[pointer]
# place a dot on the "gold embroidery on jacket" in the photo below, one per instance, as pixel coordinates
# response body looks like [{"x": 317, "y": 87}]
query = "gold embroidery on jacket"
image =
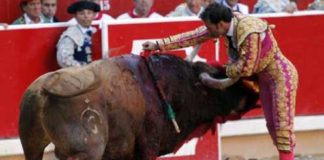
[
  {"x": 186, "y": 39},
  {"x": 247, "y": 25}
]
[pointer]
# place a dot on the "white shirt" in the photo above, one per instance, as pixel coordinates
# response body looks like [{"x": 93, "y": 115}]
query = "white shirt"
[
  {"x": 230, "y": 33},
  {"x": 104, "y": 17},
  {"x": 107, "y": 17},
  {"x": 271, "y": 6},
  {"x": 127, "y": 16},
  {"x": 183, "y": 10},
  {"x": 30, "y": 21},
  {"x": 84, "y": 29},
  {"x": 47, "y": 20},
  {"x": 239, "y": 7}
]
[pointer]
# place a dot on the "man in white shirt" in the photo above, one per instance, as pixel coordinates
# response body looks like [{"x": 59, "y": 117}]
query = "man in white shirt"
[
  {"x": 189, "y": 8},
  {"x": 74, "y": 46},
  {"x": 142, "y": 9},
  {"x": 235, "y": 6}
]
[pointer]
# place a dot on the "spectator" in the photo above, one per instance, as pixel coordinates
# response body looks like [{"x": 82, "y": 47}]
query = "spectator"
[
  {"x": 189, "y": 8},
  {"x": 99, "y": 16},
  {"x": 235, "y": 6},
  {"x": 49, "y": 10},
  {"x": 207, "y": 2},
  {"x": 275, "y": 6},
  {"x": 31, "y": 12},
  {"x": 4, "y": 25},
  {"x": 74, "y": 46},
  {"x": 142, "y": 9},
  {"x": 316, "y": 5}
]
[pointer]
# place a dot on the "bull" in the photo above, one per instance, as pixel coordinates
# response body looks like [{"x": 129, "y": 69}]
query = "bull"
[{"x": 114, "y": 109}]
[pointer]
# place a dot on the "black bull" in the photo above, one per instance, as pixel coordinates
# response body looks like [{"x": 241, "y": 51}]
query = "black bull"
[{"x": 115, "y": 109}]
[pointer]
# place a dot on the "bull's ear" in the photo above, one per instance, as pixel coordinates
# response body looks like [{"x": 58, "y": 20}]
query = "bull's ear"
[{"x": 70, "y": 82}]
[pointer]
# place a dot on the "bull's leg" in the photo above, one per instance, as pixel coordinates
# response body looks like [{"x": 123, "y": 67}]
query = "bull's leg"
[
  {"x": 32, "y": 135},
  {"x": 147, "y": 142},
  {"x": 59, "y": 155},
  {"x": 120, "y": 150},
  {"x": 145, "y": 150},
  {"x": 121, "y": 145},
  {"x": 33, "y": 147},
  {"x": 77, "y": 156}
]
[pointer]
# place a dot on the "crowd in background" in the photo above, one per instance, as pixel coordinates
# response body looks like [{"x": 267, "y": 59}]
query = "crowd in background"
[{"x": 43, "y": 11}]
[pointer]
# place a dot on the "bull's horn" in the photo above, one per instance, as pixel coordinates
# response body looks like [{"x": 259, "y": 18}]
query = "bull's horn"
[{"x": 66, "y": 83}]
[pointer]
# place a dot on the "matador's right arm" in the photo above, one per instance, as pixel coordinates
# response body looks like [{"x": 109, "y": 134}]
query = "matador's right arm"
[{"x": 185, "y": 39}]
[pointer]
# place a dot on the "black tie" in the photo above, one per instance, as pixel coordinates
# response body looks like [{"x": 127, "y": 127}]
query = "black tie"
[
  {"x": 89, "y": 32},
  {"x": 230, "y": 42},
  {"x": 231, "y": 49}
]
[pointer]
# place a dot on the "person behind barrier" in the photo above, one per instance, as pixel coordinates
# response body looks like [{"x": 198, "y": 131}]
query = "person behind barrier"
[
  {"x": 275, "y": 6},
  {"x": 49, "y": 8},
  {"x": 31, "y": 12},
  {"x": 252, "y": 51},
  {"x": 4, "y": 25},
  {"x": 74, "y": 45},
  {"x": 99, "y": 15},
  {"x": 207, "y": 2},
  {"x": 142, "y": 9},
  {"x": 189, "y": 8},
  {"x": 316, "y": 5},
  {"x": 235, "y": 6}
]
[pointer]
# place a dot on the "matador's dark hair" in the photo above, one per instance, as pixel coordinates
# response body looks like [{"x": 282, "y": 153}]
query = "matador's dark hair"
[{"x": 216, "y": 12}]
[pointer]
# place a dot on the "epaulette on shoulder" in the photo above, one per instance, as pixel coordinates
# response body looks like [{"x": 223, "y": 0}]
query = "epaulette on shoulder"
[{"x": 248, "y": 25}]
